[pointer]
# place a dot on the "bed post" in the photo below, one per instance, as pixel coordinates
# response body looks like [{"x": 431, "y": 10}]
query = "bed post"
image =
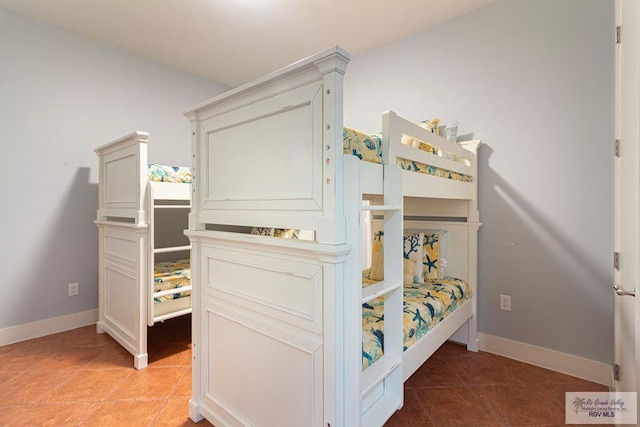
[
  {"x": 332, "y": 68},
  {"x": 195, "y": 402},
  {"x": 196, "y": 152},
  {"x": 473, "y": 340},
  {"x": 352, "y": 401},
  {"x": 473, "y": 146},
  {"x": 473, "y": 220},
  {"x": 333, "y": 230}
]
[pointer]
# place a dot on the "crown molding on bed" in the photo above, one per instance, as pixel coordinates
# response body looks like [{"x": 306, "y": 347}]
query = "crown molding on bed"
[
  {"x": 41, "y": 328},
  {"x": 587, "y": 369},
  {"x": 333, "y": 59}
]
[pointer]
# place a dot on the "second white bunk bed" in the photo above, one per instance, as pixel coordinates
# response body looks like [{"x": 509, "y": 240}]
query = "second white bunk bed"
[
  {"x": 278, "y": 323},
  {"x": 144, "y": 274}
]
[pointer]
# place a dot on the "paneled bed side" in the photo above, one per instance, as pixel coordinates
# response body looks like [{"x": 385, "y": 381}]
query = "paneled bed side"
[
  {"x": 143, "y": 254},
  {"x": 277, "y": 323}
]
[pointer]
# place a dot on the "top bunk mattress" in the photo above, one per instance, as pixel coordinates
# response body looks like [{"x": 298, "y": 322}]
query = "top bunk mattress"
[
  {"x": 369, "y": 149},
  {"x": 173, "y": 174}
]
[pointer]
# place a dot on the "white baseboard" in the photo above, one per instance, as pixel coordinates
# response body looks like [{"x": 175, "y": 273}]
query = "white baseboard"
[
  {"x": 587, "y": 369},
  {"x": 41, "y": 328}
]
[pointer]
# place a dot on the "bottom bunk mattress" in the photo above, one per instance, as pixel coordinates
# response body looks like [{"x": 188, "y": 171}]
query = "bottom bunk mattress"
[
  {"x": 424, "y": 306},
  {"x": 171, "y": 275}
]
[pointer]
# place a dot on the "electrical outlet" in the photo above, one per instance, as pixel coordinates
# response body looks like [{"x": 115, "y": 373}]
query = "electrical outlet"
[
  {"x": 505, "y": 302},
  {"x": 73, "y": 289}
]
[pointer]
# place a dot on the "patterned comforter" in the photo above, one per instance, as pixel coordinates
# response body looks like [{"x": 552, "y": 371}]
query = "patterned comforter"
[
  {"x": 424, "y": 306},
  {"x": 369, "y": 148},
  {"x": 171, "y": 275},
  {"x": 162, "y": 173}
]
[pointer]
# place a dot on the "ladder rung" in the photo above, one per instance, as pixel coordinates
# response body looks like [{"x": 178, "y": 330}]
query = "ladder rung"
[
  {"x": 171, "y": 249},
  {"x": 172, "y": 206},
  {"x": 377, "y": 372},
  {"x": 172, "y": 291},
  {"x": 167, "y": 316},
  {"x": 381, "y": 207},
  {"x": 377, "y": 290}
]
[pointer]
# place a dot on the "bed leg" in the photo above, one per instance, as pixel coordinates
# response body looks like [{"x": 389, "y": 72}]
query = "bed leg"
[
  {"x": 141, "y": 361},
  {"x": 194, "y": 411}
]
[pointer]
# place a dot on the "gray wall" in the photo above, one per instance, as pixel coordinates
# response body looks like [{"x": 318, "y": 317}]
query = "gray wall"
[
  {"x": 61, "y": 96},
  {"x": 534, "y": 79}
]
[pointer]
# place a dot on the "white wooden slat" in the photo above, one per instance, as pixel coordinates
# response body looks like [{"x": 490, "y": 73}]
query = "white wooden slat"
[
  {"x": 171, "y": 249},
  {"x": 379, "y": 289},
  {"x": 172, "y": 291}
]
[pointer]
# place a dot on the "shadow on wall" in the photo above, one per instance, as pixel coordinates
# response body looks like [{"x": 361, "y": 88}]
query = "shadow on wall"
[
  {"x": 561, "y": 296},
  {"x": 67, "y": 252}
]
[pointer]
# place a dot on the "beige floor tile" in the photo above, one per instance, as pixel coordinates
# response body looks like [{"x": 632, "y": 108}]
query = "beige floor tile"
[
  {"x": 176, "y": 413},
  {"x": 522, "y": 405},
  {"x": 435, "y": 372},
  {"x": 32, "y": 386},
  {"x": 183, "y": 388},
  {"x": 412, "y": 413},
  {"x": 80, "y": 376},
  {"x": 132, "y": 413},
  {"x": 113, "y": 357},
  {"x": 89, "y": 385},
  {"x": 152, "y": 383},
  {"x": 480, "y": 368},
  {"x": 171, "y": 355},
  {"x": 24, "y": 358},
  {"x": 12, "y": 413},
  {"x": 457, "y": 406},
  {"x": 56, "y": 414}
]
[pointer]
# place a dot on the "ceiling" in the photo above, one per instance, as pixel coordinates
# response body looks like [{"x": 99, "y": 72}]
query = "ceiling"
[{"x": 235, "y": 41}]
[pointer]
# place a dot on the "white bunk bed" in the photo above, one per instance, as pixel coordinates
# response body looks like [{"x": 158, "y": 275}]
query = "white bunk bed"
[
  {"x": 277, "y": 323},
  {"x": 143, "y": 253}
]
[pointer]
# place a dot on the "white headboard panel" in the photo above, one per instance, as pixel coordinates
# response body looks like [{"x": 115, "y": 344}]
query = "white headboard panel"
[
  {"x": 266, "y": 156},
  {"x": 123, "y": 177},
  {"x": 269, "y": 153}
]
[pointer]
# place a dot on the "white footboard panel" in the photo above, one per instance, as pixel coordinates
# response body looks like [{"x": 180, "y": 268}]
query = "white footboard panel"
[
  {"x": 262, "y": 344},
  {"x": 248, "y": 359},
  {"x": 122, "y": 270}
]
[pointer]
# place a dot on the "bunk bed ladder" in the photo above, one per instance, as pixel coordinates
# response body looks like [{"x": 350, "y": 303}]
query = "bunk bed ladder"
[
  {"x": 151, "y": 294},
  {"x": 382, "y": 382}
]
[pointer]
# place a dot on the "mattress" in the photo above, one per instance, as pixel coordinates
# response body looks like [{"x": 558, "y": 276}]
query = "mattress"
[
  {"x": 424, "y": 306},
  {"x": 171, "y": 275},
  {"x": 369, "y": 148},
  {"x": 175, "y": 174}
]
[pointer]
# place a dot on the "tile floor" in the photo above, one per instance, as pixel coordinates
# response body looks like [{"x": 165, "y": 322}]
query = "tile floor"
[
  {"x": 81, "y": 378},
  {"x": 460, "y": 388}
]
